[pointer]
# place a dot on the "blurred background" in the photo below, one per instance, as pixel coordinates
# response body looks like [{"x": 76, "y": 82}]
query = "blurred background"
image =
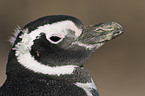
[{"x": 117, "y": 68}]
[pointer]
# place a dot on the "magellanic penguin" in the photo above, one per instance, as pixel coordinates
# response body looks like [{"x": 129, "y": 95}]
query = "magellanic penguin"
[{"x": 48, "y": 55}]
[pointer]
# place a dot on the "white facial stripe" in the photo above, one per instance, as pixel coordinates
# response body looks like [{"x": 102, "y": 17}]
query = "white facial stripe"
[
  {"x": 87, "y": 46},
  {"x": 24, "y": 57},
  {"x": 29, "y": 62},
  {"x": 59, "y": 29},
  {"x": 87, "y": 87},
  {"x": 69, "y": 25}
]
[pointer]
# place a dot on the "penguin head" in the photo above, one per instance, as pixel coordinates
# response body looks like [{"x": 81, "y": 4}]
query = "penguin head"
[{"x": 60, "y": 40}]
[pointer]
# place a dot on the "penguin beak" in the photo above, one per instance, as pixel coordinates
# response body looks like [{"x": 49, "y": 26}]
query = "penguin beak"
[{"x": 100, "y": 33}]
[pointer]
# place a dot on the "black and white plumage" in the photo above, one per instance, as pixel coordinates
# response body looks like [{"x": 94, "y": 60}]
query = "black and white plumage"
[{"x": 48, "y": 54}]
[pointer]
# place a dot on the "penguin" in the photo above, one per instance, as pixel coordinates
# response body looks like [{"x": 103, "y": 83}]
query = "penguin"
[{"x": 48, "y": 55}]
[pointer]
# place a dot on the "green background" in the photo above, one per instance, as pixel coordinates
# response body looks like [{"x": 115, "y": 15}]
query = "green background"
[{"x": 117, "y": 68}]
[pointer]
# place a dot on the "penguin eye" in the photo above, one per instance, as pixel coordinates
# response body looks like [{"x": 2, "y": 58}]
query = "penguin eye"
[{"x": 55, "y": 39}]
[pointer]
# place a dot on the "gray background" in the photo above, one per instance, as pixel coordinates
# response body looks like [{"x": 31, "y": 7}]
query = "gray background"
[{"x": 118, "y": 68}]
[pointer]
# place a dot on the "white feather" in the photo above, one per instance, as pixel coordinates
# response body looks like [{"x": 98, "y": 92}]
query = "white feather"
[{"x": 14, "y": 35}]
